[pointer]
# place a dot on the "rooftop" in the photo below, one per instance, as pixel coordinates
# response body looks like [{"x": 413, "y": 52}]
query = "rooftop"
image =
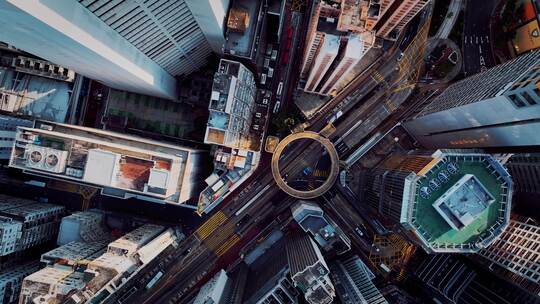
[
  {"x": 242, "y": 26},
  {"x": 106, "y": 159},
  {"x": 476, "y": 190}
]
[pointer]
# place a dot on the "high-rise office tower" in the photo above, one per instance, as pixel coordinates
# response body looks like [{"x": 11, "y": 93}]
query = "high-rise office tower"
[
  {"x": 446, "y": 201},
  {"x": 353, "y": 281},
  {"x": 138, "y": 46},
  {"x": 525, "y": 171},
  {"x": 354, "y": 51},
  {"x": 393, "y": 15},
  {"x": 267, "y": 280},
  {"x": 452, "y": 278},
  {"x": 123, "y": 166},
  {"x": 325, "y": 231},
  {"x": 231, "y": 106},
  {"x": 213, "y": 292},
  {"x": 517, "y": 252},
  {"x": 308, "y": 269},
  {"x": 497, "y": 108},
  {"x": 324, "y": 56}
]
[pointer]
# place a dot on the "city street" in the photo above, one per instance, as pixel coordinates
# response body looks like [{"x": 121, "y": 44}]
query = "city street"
[{"x": 478, "y": 55}]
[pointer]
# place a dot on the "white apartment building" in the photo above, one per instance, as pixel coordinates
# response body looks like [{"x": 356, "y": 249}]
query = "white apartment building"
[
  {"x": 8, "y": 128},
  {"x": 50, "y": 285},
  {"x": 231, "y": 106},
  {"x": 88, "y": 270},
  {"x": 137, "y": 46},
  {"x": 74, "y": 252},
  {"x": 354, "y": 51},
  {"x": 85, "y": 226},
  {"x": 322, "y": 61},
  {"x": 26, "y": 223},
  {"x": 11, "y": 280}
]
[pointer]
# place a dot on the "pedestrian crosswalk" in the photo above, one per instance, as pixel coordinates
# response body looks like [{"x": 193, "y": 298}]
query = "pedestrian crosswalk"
[{"x": 211, "y": 225}]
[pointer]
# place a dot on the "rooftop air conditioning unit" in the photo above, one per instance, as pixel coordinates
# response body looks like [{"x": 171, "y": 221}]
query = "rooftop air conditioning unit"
[{"x": 46, "y": 159}]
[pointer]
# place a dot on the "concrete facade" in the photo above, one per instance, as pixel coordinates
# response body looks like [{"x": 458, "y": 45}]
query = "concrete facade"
[{"x": 133, "y": 46}]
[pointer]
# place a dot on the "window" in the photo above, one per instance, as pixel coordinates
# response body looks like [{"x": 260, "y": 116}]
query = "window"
[
  {"x": 517, "y": 102},
  {"x": 528, "y": 98}
]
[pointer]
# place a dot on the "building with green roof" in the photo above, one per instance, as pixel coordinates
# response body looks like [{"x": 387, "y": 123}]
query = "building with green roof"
[{"x": 446, "y": 201}]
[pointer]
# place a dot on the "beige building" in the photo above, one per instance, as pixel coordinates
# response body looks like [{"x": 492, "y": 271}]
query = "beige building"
[
  {"x": 123, "y": 166},
  {"x": 83, "y": 271}
]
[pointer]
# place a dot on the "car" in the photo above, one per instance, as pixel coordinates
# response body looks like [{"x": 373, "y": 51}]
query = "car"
[
  {"x": 266, "y": 62},
  {"x": 258, "y": 115},
  {"x": 274, "y": 55},
  {"x": 243, "y": 221},
  {"x": 268, "y": 49},
  {"x": 256, "y": 127},
  {"x": 187, "y": 251},
  {"x": 270, "y": 72},
  {"x": 276, "y": 106},
  {"x": 263, "y": 79},
  {"x": 335, "y": 116},
  {"x": 359, "y": 231},
  {"x": 265, "y": 101},
  {"x": 400, "y": 56}
]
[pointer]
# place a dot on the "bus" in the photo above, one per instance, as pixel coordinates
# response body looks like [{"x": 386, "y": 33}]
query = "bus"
[
  {"x": 154, "y": 280},
  {"x": 279, "y": 89}
]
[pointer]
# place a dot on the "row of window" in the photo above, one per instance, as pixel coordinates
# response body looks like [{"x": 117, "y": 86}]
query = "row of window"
[{"x": 524, "y": 99}]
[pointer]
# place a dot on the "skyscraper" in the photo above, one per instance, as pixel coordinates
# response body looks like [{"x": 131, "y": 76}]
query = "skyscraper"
[
  {"x": 353, "y": 281},
  {"x": 26, "y": 223},
  {"x": 354, "y": 51},
  {"x": 517, "y": 251},
  {"x": 446, "y": 201},
  {"x": 268, "y": 279},
  {"x": 213, "y": 291},
  {"x": 336, "y": 41},
  {"x": 325, "y": 231},
  {"x": 138, "y": 46},
  {"x": 525, "y": 171},
  {"x": 496, "y": 108},
  {"x": 308, "y": 269},
  {"x": 394, "y": 15},
  {"x": 123, "y": 166},
  {"x": 325, "y": 55}
]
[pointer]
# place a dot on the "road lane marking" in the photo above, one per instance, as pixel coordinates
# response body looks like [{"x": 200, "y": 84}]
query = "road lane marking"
[
  {"x": 211, "y": 225},
  {"x": 227, "y": 245},
  {"x": 252, "y": 200}
]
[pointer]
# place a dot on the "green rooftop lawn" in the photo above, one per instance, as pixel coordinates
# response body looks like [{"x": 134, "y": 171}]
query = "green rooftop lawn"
[{"x": 432, "y": 222}]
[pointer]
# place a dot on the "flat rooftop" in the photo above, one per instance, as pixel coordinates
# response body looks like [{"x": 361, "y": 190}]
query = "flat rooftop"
[
  {"x": 242, "y": 27},
  {"x": 106, "y": 159},
  {"x": 486, "y": 218}
]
